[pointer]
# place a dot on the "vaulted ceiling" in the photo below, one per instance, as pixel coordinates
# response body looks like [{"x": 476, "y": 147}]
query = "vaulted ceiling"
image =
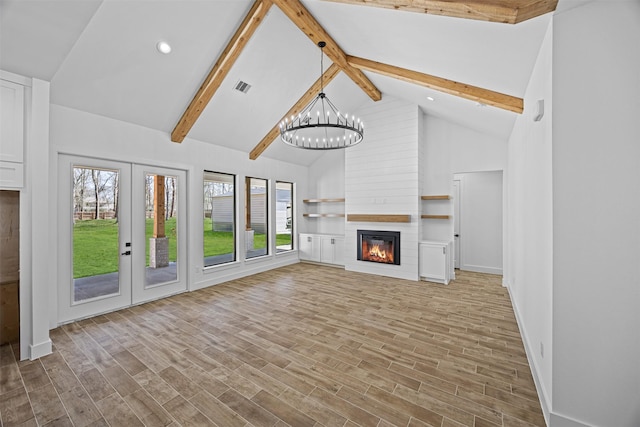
[{"x": 101, "y": 57}]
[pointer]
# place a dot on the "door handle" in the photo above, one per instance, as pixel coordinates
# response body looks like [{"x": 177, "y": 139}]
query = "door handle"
[
  {"x": 126, "y": 253},
  {"x": 456, "y": 235}
]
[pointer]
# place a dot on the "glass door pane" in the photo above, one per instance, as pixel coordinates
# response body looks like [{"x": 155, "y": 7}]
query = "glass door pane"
[
  {"x": 96, "y": 234},
  {"x": 161, "y": 233}
]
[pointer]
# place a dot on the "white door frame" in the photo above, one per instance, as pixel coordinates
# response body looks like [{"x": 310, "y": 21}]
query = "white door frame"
[{"x": 457, "y": 195}]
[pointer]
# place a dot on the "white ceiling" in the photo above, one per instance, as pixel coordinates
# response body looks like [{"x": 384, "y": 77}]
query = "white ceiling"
[{"x": 100, "y": 57}]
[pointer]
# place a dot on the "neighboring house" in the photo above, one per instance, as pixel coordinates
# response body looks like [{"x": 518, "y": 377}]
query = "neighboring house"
[{"x": 223, "y": 211}]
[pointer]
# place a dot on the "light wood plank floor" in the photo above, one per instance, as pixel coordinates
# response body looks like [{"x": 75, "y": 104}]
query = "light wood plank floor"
[{"x": 302, "y": 345}]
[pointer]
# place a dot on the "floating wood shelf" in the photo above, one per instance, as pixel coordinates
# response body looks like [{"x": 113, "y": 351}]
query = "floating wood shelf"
[
  {"x": 435, "y": 216},
  {"x": 378, "y": 218},
  {"x": 322, "y": 200},
  {"x": 437, "y": 197},
  {"x": 323, "y": 215}
]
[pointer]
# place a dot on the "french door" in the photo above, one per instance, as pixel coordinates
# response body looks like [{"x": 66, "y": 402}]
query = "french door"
[{"x": 122, "y": 235}]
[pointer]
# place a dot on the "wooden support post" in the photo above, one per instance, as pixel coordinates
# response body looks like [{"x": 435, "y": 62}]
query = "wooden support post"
[{"x": 158, "y": 207}]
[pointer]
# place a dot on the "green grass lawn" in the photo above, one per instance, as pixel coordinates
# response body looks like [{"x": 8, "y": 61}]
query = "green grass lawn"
[
  {"x": 96, "y": 251},
  {"x": 95, "y": 247},
  {"x": 221, "y": 242}
]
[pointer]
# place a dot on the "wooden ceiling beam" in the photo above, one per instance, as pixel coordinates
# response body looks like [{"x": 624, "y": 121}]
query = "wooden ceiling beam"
[
  {"x": 308, "y": 96},
  {"x": 221, "y": 68},
  {"x": 301, "y": 17},
  {"x": 474, "y": 93},
  {"x": 505, "y": 11}
]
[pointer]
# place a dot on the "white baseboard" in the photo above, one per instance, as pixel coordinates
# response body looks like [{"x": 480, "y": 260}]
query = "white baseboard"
[
  {"x": 38, "y": 350},
  {"x": 542, "y": 394},
  {"x": 481, "y": 269},
  {"x": 556, "y": 420},
  {"x": 552, "y": 418}
]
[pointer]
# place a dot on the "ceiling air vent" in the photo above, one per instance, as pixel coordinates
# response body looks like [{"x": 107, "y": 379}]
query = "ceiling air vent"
[{"x": 242, "y": 86}]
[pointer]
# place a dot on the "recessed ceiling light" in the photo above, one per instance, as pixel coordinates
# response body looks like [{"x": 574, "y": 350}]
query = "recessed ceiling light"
[
  {"x": 430, "y": 98},
  {"x": 163, "y": 47}
]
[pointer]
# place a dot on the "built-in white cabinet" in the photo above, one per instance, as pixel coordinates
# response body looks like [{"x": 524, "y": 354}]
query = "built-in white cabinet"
[
  {"x": 309, "y": 247},
  {"x": 324, "y": 248},
  {"x": 332, "y": 250},
  {"x": 435, "y": 261},
  {"x": 11, "y": 134}
]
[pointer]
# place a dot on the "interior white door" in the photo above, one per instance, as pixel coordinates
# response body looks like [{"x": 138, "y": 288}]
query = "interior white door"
[
  {"x": 456, "y": 222},
  {"x": 160, "y": 233},
  {"x": 94, "y": 235},
  {"x": 481, "y": 221}
]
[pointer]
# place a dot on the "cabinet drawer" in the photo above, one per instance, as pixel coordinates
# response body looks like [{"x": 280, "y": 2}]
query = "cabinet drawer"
[{"x": 11, "y": 175}]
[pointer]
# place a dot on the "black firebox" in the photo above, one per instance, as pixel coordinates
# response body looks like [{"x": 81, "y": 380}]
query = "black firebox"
[{"x": 379, "y": 246}]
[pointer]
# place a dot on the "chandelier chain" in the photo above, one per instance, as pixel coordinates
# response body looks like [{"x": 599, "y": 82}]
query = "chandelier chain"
[{"x": 321, "y": 69}]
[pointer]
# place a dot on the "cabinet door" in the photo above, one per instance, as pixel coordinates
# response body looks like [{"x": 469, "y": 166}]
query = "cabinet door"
[
  {"x": 433, "y": 261},
  {"x": 332, "y": 250},
  {"x": 305, "y": 246},
  {"x": 338, "y": 250},
  {"x": 309, "y": 247},
  {"x": 327, "y": 249},
  {"x": 11, "y": 121}
]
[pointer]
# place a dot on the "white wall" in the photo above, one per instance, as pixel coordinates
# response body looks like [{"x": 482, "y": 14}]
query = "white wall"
[
  {"x": 596, "y": 214},
  {"x": 326, "y": 181},
  {"x": 529, "y": 236},
  {"x": 449, "y": 149},
  {"x": 444, "y": 148},
  {"x": 80, "y": 133},
  {"x": 382, "y": 178}
]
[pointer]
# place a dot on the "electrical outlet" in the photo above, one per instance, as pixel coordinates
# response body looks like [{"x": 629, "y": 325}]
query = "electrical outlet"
[{"x": 541, "y": 349}]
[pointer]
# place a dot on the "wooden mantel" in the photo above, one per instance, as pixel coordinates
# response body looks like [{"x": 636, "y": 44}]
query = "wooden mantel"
[{"x": 378, "y": 218}]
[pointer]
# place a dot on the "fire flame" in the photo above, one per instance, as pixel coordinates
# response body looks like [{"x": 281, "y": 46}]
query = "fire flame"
[{"x": 376, "y": 252}]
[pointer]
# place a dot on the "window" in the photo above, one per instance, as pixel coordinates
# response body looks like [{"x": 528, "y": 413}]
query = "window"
[
  {"x": 284, "y": 216},
  {"x": 219, "y": 218},
  {"x": 257, "y": 225}
]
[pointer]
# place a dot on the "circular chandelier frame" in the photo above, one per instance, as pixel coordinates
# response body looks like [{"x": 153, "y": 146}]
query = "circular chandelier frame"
[{"x": 320, "y": 125}]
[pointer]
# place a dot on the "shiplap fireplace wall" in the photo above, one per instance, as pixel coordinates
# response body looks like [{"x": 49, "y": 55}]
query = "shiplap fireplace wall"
[{"x": 383, "y": 176}]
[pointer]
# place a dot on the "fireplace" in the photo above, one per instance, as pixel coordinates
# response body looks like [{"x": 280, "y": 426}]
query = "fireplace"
[{"x": 379, "y": 246}]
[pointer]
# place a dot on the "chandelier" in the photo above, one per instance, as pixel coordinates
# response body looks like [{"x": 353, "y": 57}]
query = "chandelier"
[{"x": 320, "y": 125}]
